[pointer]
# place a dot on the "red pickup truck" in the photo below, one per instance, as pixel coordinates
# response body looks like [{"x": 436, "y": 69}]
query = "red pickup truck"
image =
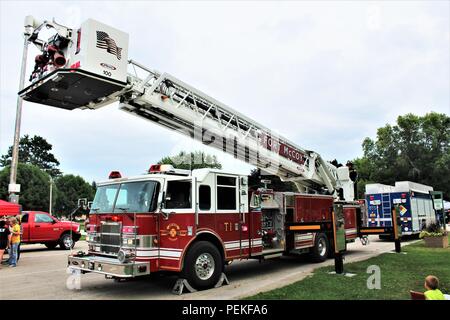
[{"x": 41, "y": 227}]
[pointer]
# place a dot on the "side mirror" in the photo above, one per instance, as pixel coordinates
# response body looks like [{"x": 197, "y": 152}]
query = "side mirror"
[{"x": 82, "y": 203}]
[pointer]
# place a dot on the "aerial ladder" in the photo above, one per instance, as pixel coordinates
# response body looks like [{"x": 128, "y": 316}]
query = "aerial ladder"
[{"x": 88, "y": 68}]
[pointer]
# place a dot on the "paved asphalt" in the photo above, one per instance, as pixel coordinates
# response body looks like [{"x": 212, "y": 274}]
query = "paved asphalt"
[{"x": 42, "y": 274}]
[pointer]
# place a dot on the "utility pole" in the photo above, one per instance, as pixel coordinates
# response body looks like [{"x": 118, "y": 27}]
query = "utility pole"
[
  {"x": 13, "y": 187},
  {"x": 51, "y": 196}
]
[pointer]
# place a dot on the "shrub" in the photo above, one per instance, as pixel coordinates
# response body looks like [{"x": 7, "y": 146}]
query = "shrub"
[{"x": 432, "y": 230}]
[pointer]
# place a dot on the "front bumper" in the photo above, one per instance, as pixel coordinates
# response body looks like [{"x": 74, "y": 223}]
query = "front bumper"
[{"x": 108, "y": 266}]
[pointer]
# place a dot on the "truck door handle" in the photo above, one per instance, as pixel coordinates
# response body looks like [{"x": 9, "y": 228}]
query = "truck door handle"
[{"x": 37, "y": 226}]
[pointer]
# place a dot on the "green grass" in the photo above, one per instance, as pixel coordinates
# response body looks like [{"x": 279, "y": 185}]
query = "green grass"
[{"x": 399, "y": 274}]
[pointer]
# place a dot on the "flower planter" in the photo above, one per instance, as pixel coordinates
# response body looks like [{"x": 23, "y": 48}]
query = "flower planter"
[{"x": 436, "y": 242}]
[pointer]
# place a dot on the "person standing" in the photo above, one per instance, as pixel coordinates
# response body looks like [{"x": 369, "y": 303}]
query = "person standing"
[
  {"x": 19, "y": 222},
  {"x": 15, "y": 241},
  {"x": 4, "y": 238}
]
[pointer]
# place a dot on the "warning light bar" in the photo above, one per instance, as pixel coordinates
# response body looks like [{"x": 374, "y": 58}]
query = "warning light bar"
[
  {"x": 115, "y": 175},
  {"x": 154, "y": 168},
  {"x": 167, "y": 169}
]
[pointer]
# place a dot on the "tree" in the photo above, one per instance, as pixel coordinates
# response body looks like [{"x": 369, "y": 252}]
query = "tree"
[
  {"x": 416, "y": 149},
  {"x": 192, "y": 160},
  {"x": 70, "y": 188},
  {"x": 35, "y": 151},
  {"x": 35, "y": 186}
]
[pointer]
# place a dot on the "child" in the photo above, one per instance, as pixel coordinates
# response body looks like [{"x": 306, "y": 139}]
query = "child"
[
  {"x": 4, "y": 238},
  {"x": 433, "y": 293}
]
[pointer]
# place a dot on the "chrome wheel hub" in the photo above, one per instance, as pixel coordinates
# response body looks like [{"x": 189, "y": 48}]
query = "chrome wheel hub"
[
  {"x": 204, "y": 266},
  {"x": 68, "y": 242},
  {"x": 322, "y": 247}
]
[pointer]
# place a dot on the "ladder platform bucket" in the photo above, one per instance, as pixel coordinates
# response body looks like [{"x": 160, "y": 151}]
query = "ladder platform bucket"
[{"x": 70, "y": 89}]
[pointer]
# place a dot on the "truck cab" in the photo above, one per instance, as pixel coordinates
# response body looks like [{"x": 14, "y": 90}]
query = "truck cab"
[
  {"x": 41, "y": 227},
  {"x": 161, "y": 220}
]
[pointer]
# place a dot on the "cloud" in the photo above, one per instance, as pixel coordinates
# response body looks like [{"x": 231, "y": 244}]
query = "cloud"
[{"x": 323, "y": 74}]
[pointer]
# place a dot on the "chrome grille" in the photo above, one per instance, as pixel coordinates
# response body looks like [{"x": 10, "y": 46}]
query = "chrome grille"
[{"x": 110, "y": 237}]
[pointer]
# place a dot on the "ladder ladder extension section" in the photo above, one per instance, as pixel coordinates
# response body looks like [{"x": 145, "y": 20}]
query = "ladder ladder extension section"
[{"x": 169, "y": 102}]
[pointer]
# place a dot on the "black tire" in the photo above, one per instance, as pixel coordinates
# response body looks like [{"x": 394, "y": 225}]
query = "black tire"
[
  {"x": 203, "y": 250},
  {"x": 321, "y": 249},
  {"x": 65, "y": 241},
  {"x": 51, "y": 245}
]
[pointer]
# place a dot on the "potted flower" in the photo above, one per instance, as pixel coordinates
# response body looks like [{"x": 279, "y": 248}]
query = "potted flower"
[{"x": 434, "y": 236}]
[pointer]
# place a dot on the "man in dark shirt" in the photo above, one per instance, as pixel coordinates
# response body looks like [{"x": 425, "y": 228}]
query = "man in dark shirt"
[{"x": 4, "y": 238}]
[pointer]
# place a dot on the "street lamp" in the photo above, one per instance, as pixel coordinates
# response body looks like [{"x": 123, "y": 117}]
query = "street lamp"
[{"x": 13, "y": 187}]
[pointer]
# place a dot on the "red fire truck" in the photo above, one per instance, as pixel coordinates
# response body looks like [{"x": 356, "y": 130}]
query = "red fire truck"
[
  {"x": 197, "y": 222},
  {"x": 193, "y": 223}
]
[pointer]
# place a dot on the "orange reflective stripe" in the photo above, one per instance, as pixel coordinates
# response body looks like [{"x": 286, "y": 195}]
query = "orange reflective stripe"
[
  {"x": 313, "y": 227},
  {"x": 372, "y": 230}
]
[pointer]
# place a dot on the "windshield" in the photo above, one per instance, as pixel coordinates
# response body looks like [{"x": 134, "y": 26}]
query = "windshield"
[{"x": 125, "y": 197}]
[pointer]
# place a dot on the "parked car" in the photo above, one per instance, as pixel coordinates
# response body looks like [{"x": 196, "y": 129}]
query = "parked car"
[{"x": 41, "y": 227}]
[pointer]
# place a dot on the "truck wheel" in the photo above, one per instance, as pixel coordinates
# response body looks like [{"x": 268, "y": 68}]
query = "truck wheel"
[
  {"x": 51, "y": 245},
  {"x": 66, "y": 242},
  {"x": 203, "y": 265},
  {"x": 320, "y": 251}
]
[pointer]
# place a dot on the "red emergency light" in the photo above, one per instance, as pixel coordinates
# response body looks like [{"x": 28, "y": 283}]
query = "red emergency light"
[
  {"x": 403, "y": 195},
  {"x": 155, "y": 168},
  {"x": 115, "y": 175},
  {"x": 372, "y": 197},
  {"x": 116, "y": 218}
]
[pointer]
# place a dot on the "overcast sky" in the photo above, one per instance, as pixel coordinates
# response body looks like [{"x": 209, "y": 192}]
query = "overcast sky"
[{"x": 324, "y": 74}]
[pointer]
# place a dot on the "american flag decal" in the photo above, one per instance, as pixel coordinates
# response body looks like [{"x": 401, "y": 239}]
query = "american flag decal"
[{"x": 107, "y": 43}]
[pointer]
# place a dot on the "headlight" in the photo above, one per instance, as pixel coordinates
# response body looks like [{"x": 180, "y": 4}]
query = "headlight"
[{"x": 122, "y": 256}]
